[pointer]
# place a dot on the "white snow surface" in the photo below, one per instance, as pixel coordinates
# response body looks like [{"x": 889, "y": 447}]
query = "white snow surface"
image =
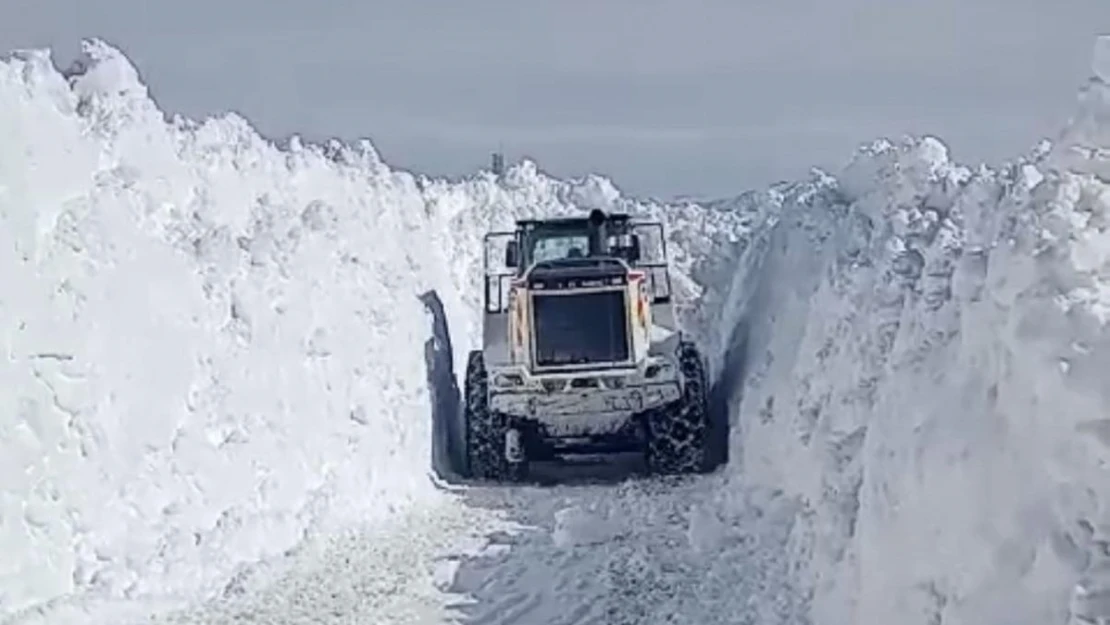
[
  {"x": 927, "y": 374},
  {"x": 203, "y": 335},
  {"x": 214, "y": 403}
]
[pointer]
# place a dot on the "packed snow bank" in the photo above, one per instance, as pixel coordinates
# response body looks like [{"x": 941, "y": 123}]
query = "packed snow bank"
[
  {"x": 212, "y": 345},
  {"x": 927, "y": 374}
]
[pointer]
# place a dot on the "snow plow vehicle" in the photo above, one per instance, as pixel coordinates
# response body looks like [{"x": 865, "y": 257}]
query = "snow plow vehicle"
[{"x": 582, "y": 353}]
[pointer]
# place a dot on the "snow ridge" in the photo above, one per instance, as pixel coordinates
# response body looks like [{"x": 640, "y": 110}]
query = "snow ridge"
[
  {"x": 195, "y": 329},
  {"x": 926, "y": 374}
]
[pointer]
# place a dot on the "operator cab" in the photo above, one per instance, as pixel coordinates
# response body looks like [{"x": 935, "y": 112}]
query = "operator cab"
[
  {"x": 572, "y": 242},
  {"x": 575, "y": 252}
]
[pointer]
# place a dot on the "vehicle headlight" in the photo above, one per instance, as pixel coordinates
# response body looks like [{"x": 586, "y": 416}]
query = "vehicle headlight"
[
  {"x": 553, "y": 386},
  {"x": 505, "y": 380},
  {"x": 657, "y": 369}
]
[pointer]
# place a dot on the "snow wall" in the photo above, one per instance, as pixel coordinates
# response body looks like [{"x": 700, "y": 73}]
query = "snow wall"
[
  {"x": 215, "y": 347},
  {"x": 928, "y": 371}
]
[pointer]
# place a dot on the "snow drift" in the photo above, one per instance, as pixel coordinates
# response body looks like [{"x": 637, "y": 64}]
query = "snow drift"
[
  {"x": 927, "y": 374},
  {"x": 195, "y": 325},
  {"x": 214, "y": 349}
]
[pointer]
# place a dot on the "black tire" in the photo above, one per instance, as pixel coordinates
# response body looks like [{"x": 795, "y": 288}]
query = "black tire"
[
  {"x": 677, "y": 434},
  {"x": 485, "y": 430}
]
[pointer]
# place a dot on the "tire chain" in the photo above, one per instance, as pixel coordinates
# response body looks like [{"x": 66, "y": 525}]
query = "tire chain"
[{"x": 677, "y": 434}]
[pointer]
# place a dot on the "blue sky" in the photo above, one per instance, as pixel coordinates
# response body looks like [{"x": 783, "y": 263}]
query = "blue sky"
[{"x": 668, "y": 97}]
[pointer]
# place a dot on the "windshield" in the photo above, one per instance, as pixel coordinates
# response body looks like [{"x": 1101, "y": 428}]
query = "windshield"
[{"x": 559, "y": 246}]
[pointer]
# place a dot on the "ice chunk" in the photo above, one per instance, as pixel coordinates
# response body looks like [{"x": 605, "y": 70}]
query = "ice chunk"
[{"x": 576, "y": 527}]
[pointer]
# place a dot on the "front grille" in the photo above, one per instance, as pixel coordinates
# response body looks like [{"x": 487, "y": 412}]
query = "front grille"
[{"x": 580, "y": 328}]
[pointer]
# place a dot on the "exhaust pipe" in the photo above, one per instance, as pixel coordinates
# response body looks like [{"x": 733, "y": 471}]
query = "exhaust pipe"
[{"x": 598, "y": 233}]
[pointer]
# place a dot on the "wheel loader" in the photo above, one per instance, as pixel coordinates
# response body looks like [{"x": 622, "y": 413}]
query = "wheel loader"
[{"x": 582, "y": 352}]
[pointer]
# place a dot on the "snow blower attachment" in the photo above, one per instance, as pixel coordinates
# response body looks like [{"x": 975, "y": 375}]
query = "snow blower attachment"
[{"x": 582, "y": 352}]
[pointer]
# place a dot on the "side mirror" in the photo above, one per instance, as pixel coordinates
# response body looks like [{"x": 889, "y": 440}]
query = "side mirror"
[
  {"x": 512, "y": 255},
  {"x": 634, "y": 249}
]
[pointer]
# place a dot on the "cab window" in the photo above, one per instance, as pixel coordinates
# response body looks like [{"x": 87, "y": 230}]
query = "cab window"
[{"x": 557, "y": 247}]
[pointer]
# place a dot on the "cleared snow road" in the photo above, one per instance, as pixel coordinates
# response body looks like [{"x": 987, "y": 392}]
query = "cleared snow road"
[{"x": 639, "y": 552}]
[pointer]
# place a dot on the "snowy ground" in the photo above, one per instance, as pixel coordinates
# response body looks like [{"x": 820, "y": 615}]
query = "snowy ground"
[{"x": 217, "y": 406}]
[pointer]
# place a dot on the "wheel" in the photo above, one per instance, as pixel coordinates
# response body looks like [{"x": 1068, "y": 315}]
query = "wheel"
[
  {"x": 677, "y": 434},
  {"x": 485, "y": 429}
]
